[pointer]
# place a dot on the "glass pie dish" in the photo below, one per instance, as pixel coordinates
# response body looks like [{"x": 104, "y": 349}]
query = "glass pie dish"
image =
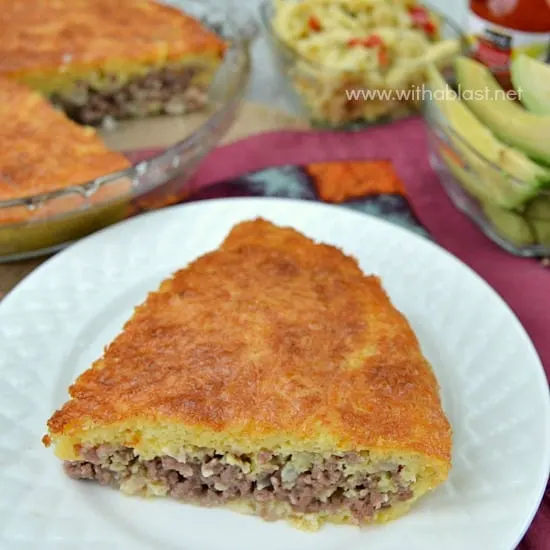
[
  {"x": 354, "y": 94},
  {"x": 481, "y": 189},
  {"x": 165, "y": 151}
]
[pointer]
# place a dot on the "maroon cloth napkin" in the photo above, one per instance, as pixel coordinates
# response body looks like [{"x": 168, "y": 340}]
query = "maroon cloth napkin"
[{"x": 523, "y": 283}]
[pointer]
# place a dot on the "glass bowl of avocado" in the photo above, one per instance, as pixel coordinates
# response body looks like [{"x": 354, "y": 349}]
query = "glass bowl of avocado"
[{"x": 491, "y": 149}]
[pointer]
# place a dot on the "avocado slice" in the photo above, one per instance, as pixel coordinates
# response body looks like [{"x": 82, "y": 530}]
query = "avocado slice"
[
  {"x": 510, "y": 180},
  {"x": 507, "y": 223},
  {"x": 537, "y": 213},
  {"x": 507, "y": 119},
  {"x": 469, "y": 180},
  {"x": 531, "y": 78},
  {"x": 510, "y": 225}
]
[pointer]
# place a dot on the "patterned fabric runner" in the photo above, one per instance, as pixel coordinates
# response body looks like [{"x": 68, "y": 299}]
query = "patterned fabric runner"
[{"x": 372, "y": 187}]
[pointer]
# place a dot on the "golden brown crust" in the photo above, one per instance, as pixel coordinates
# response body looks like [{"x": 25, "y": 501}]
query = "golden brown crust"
[
  {"x": 69, "y": 34},
  {"x": 270, "y": 334},
  {"x": 41, "y": 150}
]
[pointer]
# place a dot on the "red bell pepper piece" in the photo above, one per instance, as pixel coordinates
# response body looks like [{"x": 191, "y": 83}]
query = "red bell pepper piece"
[
  {"x": 383, "y": 58},
  {"x": 421, "y": 18},
  {"x": 314, "y": 24},
  {"x": 369, "y": 42}
]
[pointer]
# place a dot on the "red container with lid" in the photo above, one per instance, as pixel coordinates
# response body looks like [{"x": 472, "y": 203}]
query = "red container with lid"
[{"x": 503, "y": 28}]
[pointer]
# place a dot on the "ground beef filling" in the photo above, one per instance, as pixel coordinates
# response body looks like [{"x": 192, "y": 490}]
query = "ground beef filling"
[
  {"x": 328, "y": 485},
  {"x": 169, "y": 90}
]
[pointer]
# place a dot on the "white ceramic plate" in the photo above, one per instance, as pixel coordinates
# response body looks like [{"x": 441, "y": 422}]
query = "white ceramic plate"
[{"x": 54, "y": 324}]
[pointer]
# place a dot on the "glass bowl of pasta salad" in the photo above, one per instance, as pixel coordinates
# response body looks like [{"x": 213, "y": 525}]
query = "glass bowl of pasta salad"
[{"x": 358, "y": 61}]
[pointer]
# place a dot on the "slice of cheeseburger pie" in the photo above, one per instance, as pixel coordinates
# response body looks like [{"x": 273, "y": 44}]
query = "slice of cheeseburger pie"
[{"x": 270, "y": 376}]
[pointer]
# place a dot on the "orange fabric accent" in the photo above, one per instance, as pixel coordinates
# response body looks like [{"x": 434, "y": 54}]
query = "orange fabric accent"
[{"x": 341, "y": 181}]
